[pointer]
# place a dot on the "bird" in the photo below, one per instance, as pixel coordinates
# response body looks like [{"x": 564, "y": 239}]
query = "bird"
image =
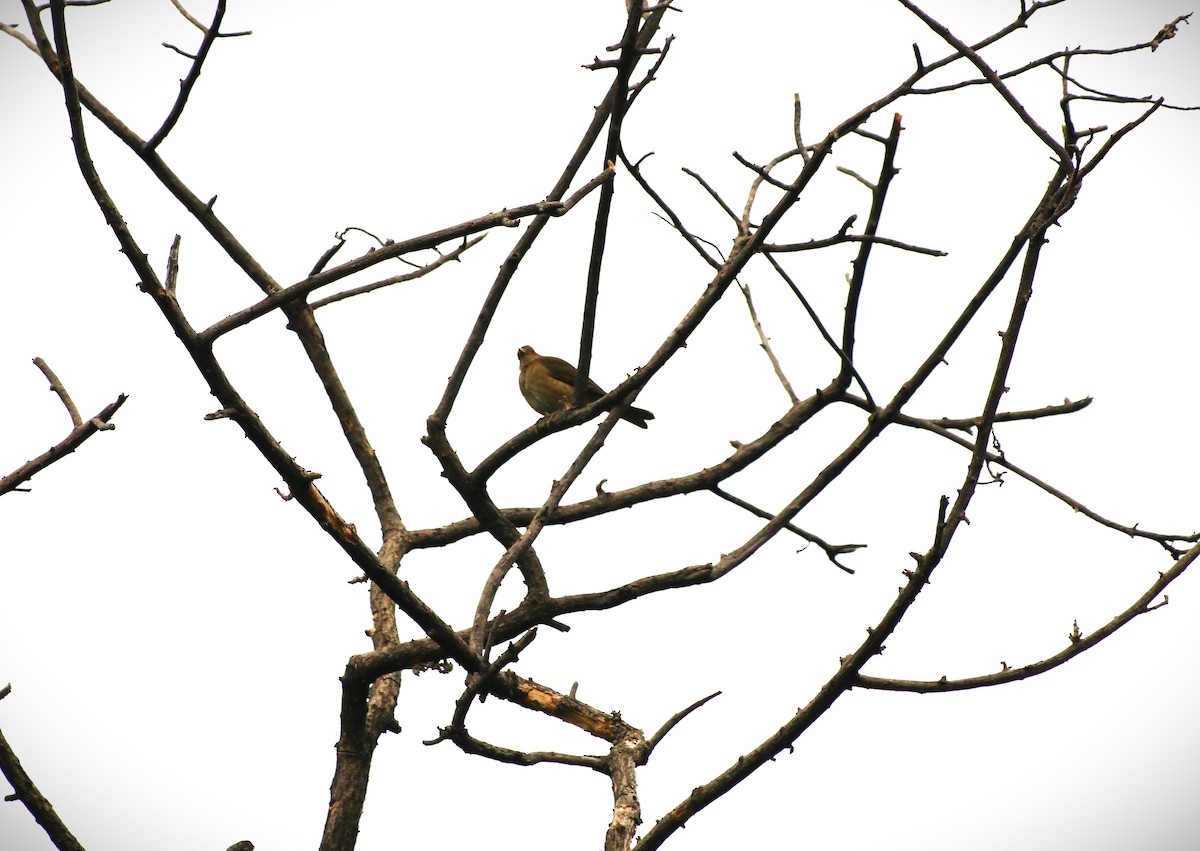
[{"x": 549, "y": 383}]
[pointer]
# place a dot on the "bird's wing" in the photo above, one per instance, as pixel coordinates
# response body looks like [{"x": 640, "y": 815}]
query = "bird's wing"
[{"x": 560, "y": 370}]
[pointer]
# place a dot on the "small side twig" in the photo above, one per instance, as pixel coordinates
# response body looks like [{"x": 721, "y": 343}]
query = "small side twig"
[
  {"x": 57, "y": 387},
  {"x": 419, "y": 272},
  {"x": 832, "y": 551},
  {"x": 193, "y": 21},
  {"x": 765, "y": 342},
  {"x": 671, "y": 722}
]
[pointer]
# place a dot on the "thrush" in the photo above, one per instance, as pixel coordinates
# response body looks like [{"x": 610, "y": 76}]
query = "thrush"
[{"x": 549, "y": 383}]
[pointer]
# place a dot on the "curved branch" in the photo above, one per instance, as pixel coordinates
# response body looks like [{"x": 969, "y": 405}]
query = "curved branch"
[
  {"x": 57, "y": 387},
  {"x": 1079, "y": 644}
]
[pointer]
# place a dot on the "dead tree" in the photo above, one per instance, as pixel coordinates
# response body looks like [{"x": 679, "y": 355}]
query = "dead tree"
[{"x": 409, "y": 634}]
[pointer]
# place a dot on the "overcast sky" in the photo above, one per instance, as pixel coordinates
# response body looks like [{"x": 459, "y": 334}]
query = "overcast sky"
[{"x": 174, "y": 632}]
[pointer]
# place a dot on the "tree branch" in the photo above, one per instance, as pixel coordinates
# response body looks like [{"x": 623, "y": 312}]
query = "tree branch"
[
  {"x": 1078, "y": 644},
  {"x": 189, "y": 82},
  {"x": 25, "y": 791}
]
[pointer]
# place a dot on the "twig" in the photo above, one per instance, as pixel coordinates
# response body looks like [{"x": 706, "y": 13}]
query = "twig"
[
  {"x": 781, "y": 248},
  {"x": 968, "y": 423},
  {"x": 673, "y": 218},
  {"x": 765, "y": 342},
  {"x": 671, "y": 722},
  {"x": 816, "y": 320},
  {"x": 844, "y": 170},
  {"x": 858, "y": 276},
  {"x": 57, "y": 387},
  {"x": 188, "y": 83},
  {"x": 712, "y": 193},
  {"x": 421, "y": 271},
  {"x": 763, "y": 171},
  {"x": 796, "y": 111},
  {"x": 764, "y": 174},
  {"x": 832, "y": 551},
  {"x": 201, "y": 26}
]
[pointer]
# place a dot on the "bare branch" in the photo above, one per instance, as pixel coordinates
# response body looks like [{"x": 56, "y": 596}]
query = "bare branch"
[
  {"x": 420, "y": 272},
  {"x": 887, "y": 171},
  {"x": 764, "y": 174},
  {"x": 193, "y": 21},
  {"x": 832, "y": 551},
  {"x": 188, "y": 83},
  {"x": 763, "y": 171},
  {"x": 817, "y": 323},
  {"x": 991, "y": 76},
  {"x": 841, "y": 238},
  {"x": 25, "y": 791},
  {"x": 201, "y": 26},
  {"x": 852, "y": 173},
  {"x": 937, "y": 427},
  {"x": 81, "y": 432},
  {"x": 968, "y": 423},
  {"x": 57, "y": 387},
  {"x": 674, "y": 219},
  {"x": 796, "y": 111},
  {"x": 1079, "y": 644},
  {"x": 765, "y": 342},
  {"x": 713, "y": 193},
  {"x": 287, "y": 295},
  {"x": 674, "y": 720}
]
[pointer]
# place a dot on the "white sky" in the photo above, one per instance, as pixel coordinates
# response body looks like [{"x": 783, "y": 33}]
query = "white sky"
[{"x": 174, "y": 632}]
